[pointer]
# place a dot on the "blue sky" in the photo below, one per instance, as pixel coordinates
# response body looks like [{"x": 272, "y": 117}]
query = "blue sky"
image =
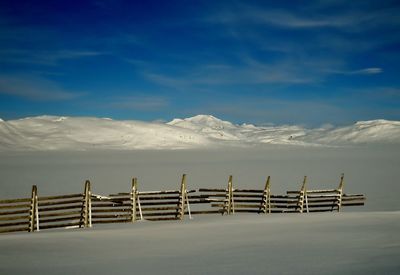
[{"x": 296, "y": 62}]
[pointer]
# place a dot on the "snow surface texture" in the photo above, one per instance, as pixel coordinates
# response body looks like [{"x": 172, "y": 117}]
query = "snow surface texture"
[
  {"x": 85, "y": 133},
  {"x": 327, "y": 243}
]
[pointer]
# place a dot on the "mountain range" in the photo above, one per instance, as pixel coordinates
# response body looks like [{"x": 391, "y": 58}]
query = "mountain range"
[{"x": 201, "y": 131}]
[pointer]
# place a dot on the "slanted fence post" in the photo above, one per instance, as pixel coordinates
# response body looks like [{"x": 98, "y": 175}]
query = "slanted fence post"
[
  {"x": 133, "y": 199},
  {"x": 87, "y": 206},
  {"x": 303, "y": 196},
  {"x": 181, "y": 203},
  {"x": 340, "y": 193},
  {"x": 266, "y": 200},
  {"x": 33, "y": 213}
]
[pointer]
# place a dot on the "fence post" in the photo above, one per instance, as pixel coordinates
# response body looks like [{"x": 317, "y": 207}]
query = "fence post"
[
  {"x": 133, "y": 199},
  {"x": 87, "y": 206},
  {"x": 33, "y": 213},
  {"x": 266, "y": 200},
  {"x": 181, "y": 203},
  {"x": 303, "y": 196},
  {"x": 340, "y": 192},
  {"x": 229, "y": 206}
]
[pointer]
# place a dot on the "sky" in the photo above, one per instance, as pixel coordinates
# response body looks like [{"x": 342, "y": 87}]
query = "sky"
[{"x": 282, "y": 62}]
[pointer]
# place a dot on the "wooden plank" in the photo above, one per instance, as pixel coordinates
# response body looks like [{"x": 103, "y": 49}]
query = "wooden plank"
[
  {"x": 162, "y": 219},
  {"x": 205, "y": 212},
  {"x": 247, "y": 205},
  {"x": 13, "y": 218},
  {"x": 159, "y": 203},
  {"x": 47, "y": 209},
  {"x": 126, "y": 210},
  {"x": 248, "y": 191},
  {"x": 61, "y": 225},
  {"x": 145, "y": 193},
  {"x": 15, "y": 200},
  {"x": 14, "y": 212},
  {"x": 14, "y": 223},
  {"x": 108, "y": 204},
  {"x": 42, "y": 221},
  {"x": 148, "y": 198},
  {"x": 60, "y": 197},
  {"x": 15, "y": 206},
  {"x": 313, "y": 191},
  {"x": 59, "y": 214},
  {"x": 247, "y": 196},
  {"x": 111, "y": 221},
  {"x": 212, "y": 190},
  {"x": 159, "y": 214},
  {"x": 111, "y": 216},
  {"x": 354, "y": 199},
  {"x": 352, "y": 203},
  {"x": 51, "y": 203},
  {"x": 10, "y": 230},
  {"x": 253, "y": 201}
]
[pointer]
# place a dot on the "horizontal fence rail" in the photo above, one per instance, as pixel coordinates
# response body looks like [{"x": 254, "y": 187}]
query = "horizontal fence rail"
[{"x": 82, "y": 210}]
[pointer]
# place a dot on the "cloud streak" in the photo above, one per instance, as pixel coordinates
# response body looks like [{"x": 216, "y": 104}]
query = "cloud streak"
[{"x": 34, "y": 89}]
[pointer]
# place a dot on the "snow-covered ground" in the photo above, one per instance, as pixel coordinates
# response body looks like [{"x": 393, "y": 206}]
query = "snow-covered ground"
[
  {"x": 329, "y": 243},
  {"x": 86, "y": 133}
]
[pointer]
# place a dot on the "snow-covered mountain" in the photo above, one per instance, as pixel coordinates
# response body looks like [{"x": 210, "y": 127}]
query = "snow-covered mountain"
[{"x": 85, "y": 133}]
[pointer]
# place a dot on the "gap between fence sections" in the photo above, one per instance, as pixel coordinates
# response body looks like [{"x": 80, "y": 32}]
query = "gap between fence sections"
[{"x": 82, "y": 210}]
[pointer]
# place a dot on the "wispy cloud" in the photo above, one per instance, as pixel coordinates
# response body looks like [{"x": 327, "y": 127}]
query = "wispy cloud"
[
  {"x": 366, "y": 71},
  {"x": 34, "y": 88},
  {"x": 140, "y": 103},
  {"x": 311, "y": 15},
  {"x": 46, "y": 57}
]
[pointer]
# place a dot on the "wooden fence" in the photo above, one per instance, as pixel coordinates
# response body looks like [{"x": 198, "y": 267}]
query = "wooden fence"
[{"x": 85, "y": 209}]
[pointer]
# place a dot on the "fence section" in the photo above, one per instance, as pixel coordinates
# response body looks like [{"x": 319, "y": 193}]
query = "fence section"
[{"x": 84, "y": 209}]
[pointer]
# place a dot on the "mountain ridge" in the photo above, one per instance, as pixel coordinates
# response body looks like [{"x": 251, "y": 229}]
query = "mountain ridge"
[{"x": 49, "y": 132}]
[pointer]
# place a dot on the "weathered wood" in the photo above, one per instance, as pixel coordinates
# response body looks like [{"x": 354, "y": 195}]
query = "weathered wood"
[
  {"x": 145, "y": 193},
  {"x": 111, "y": 216},
  {"x": 59, "y": 214},
  {"x": 51, "y": 203},
  {"x": 10, "y": 230},
  {"x": 15, "y": 206},
  {"x": 205, "y": 212},
  {"x": 14, "y": 212},
  {"x": 12, "y": 218},
  {"x": 162, "y": 219},
  {"x": 159, "y": 203},
  {"x": 125, "y": 210},
  {"x": 8, "y": 224},
  {"x": 181, "y": 203},
  {"x": 43, "y": 221},
  {"x": 15, "y": 200},
  {"x": 48, "y": 209},
  {"x": 46, "y": 198},
  {"x": 33, "y": 219},
  {"x": 153, "y": 214},
  {"x": 314, "y": 191},
  {"x": 248, "y": 191},
  {"x": 212, "y": 190},
  {"x": 109, "y": 204},
  {"x": 249, "y": 200},
  {"x": 61, "y": 225},
  {"x": 112, "y": 221},
  {"x": 156, "y": 198}
]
